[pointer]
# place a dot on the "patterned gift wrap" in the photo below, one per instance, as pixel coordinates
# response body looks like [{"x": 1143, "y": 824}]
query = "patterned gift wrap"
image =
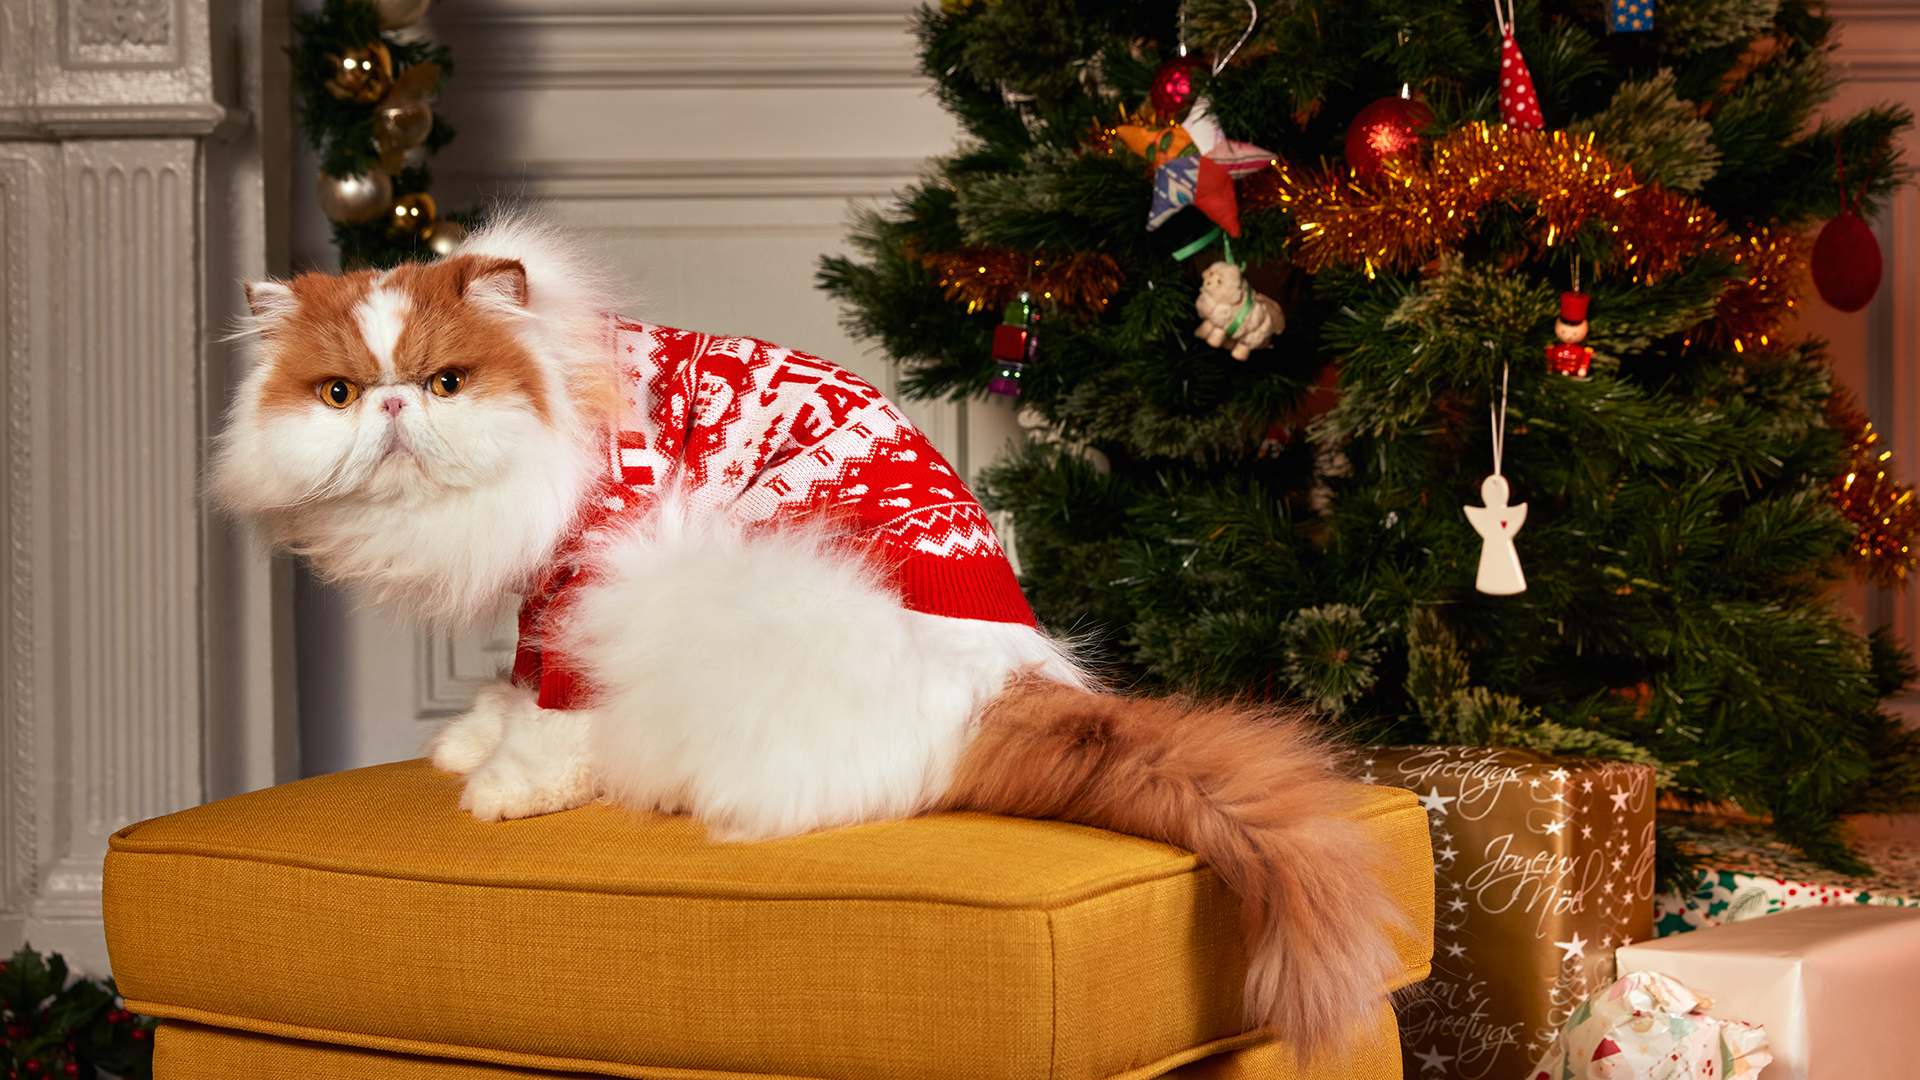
[
  {"x": 1542, "y": 867},
  {"x": 1751, "y": 873}
]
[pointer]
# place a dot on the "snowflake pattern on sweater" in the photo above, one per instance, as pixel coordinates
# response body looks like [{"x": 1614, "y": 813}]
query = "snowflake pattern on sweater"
[{"x": 767, "y": 436}]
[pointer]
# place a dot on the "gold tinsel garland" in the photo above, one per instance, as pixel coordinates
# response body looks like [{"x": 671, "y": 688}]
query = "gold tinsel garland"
[
  {"x": 1422, "y": 207},
  {"x": 1750, "y": 312},
  {"x": 1883, "y": 511},
  {"x": 987, "y": 278},
  {"x": 1561, "y": 182}
]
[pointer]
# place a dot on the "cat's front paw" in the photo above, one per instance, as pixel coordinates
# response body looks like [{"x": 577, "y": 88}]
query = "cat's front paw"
[
  {"x": 540, "y": 767},
  {"x": 465, "y": 742}
]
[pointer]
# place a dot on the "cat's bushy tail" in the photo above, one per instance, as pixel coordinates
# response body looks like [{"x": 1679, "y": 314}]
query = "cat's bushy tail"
[{"x": 1252, "y": 792}]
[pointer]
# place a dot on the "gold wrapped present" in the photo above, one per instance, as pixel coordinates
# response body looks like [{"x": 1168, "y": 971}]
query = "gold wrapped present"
[{"x": 1543, "y": 867}]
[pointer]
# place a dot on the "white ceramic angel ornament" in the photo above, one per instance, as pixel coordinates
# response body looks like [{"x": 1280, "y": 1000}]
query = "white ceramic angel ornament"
[{"x": 1497, "y": 522}]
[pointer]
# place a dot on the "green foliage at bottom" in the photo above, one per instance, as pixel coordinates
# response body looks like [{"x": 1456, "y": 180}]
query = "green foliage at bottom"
[{"x": 57, "y": 1025}]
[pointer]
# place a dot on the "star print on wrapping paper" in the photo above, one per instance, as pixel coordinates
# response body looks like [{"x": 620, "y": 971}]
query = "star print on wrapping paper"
[
  {"x": 1456, "y": 904},
  {"x": 1554, "y": 827},
  {"x": 1561, "y": 775},
  {"x": 1629, "y": 16},
  {"x": 1586, "y": 832},
  {"x": 1456, "y": 950},
  {"x": 1586, "y": 787},
  {"x": 1619, "y": 801},
  {"x": 1572, "y": 950},
  {"x": 1435, "y": 802},
  {"x": 1433, "y": 1059},
  {"x": 1368, "y": 778},
  {"x": 1445, "y": 853}
]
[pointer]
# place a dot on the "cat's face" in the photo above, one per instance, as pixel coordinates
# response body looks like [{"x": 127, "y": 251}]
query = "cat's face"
[
  {"x": 395, "y": 387},
  {"x": 401, "y": 430}
]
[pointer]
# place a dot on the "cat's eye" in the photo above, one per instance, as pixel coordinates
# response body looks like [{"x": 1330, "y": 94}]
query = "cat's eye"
[
  {"x": 338, "y": 393},
  {"x": 447, "y": 382}
]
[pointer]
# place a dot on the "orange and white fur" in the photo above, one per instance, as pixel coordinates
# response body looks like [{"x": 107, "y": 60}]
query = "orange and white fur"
[{"x": 789, "y": 690}]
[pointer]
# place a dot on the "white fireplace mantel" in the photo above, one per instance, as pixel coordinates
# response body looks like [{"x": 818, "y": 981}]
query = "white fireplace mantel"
[{"x": 138, "y": 652}]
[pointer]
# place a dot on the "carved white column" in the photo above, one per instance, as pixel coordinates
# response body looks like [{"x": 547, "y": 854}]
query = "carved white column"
[{"x": 138, "y": 644}]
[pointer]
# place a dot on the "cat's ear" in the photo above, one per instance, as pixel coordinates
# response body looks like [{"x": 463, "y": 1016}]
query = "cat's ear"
[
  {"x": 272, "y": 303},
  {"x": 495, "y": 283}
]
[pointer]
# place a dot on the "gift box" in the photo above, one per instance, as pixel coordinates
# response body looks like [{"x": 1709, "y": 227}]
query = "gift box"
[
  {"x": 1834, "y": 987},
  {"x": 1542, "y": 867},
  {"x": 1650, "y": 1025},
  {"x": 1751, "y": 872}
]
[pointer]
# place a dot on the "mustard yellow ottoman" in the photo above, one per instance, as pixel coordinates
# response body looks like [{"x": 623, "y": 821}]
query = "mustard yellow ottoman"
[{"x": 360, "y": 925}]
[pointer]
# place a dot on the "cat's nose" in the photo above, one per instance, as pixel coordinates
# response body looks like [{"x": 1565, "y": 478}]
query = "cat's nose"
[{"x": 393, "y": 404}]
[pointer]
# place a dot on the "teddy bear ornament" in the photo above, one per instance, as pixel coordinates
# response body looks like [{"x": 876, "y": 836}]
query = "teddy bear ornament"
[{"x": 1232, "y": 312}]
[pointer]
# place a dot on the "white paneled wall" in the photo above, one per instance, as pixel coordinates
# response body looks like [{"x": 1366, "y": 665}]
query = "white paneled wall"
[
  {"x": 716, "y": 148},
  {"x": 1876, "y": 352}
]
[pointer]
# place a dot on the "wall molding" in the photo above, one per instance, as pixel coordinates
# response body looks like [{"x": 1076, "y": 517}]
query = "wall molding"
[
  {"x": 451, "y": 669},
  {"x": 583, "y": 44},
  {"x": 162, "y": 120},
  {"x": 18, "y": 864},
  {"x": 700, "y": 178}
]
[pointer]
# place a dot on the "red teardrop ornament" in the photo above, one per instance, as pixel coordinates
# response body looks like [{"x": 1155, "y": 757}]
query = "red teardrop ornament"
[{"x": 1846, "y": 262}]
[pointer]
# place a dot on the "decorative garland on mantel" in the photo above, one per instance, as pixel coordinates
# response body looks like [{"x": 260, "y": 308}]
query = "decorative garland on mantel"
[{"x": 366, "y": 98}]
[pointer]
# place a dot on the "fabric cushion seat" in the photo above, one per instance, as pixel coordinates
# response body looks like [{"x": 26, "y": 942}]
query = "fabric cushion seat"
[{"x": 364, "y": 909}]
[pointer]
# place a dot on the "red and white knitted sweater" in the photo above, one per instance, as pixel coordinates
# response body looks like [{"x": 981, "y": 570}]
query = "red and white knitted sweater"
[{"x": 767, "y": 435}]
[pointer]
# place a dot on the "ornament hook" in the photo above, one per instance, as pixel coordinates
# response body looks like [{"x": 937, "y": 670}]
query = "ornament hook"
[
  {"x": 1253, "y": 20},
  {"x": 1498, "y": 416}
]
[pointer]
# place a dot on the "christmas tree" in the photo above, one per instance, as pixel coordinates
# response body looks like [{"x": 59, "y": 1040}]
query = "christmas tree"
[{"x": 1379, "y": 176}]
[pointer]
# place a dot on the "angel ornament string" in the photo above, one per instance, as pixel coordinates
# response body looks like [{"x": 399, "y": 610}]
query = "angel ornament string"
[{"x": 1497, "y": 522}]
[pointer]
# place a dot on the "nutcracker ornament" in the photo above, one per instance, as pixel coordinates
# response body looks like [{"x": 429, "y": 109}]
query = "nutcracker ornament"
[
  {"x": 1569, "y": 356},
  {"x": 1014, "y": 344}
]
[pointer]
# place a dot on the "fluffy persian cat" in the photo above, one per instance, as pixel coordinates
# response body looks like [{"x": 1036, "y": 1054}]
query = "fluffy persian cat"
[{"x": 749, "y": 591}]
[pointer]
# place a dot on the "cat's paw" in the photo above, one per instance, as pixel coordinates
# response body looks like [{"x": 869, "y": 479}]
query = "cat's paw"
[
  {"x": 542, "y": 766},
  {"x": 465, "y": 742}
]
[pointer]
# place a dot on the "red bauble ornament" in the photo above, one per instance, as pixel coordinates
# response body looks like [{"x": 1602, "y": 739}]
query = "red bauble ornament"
[
  {"x": 1382, "y": 131},
  {"x": 1175, "y": 85},
  {"x": 1846, "y": 262}
]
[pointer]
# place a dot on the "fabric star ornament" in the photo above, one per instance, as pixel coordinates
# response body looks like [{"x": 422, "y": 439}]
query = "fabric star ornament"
[
  {"x": 1240, "y": 158},
  {"x": 1173, "y": 186},
  {"x": 1156, "y": 144},
  {"x": 1216, "y": 197},
  {"x": 1195, "y": 181},
  {"x": 1519, "y": 105}
]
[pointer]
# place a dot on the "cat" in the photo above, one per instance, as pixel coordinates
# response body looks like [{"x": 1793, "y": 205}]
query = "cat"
[{"x": 751, "y": 591}]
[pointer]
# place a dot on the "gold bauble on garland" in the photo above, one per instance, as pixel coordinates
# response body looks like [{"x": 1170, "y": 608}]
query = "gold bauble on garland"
[
  {"x": 414, "y": 213},
  {"x": 398, "y": 126},
  {"x": 351, "y": 200},
  {"x": 443, "y": 236},
  {"x": 395, "y": 14},
  {"x": 364, "y": 74}
]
